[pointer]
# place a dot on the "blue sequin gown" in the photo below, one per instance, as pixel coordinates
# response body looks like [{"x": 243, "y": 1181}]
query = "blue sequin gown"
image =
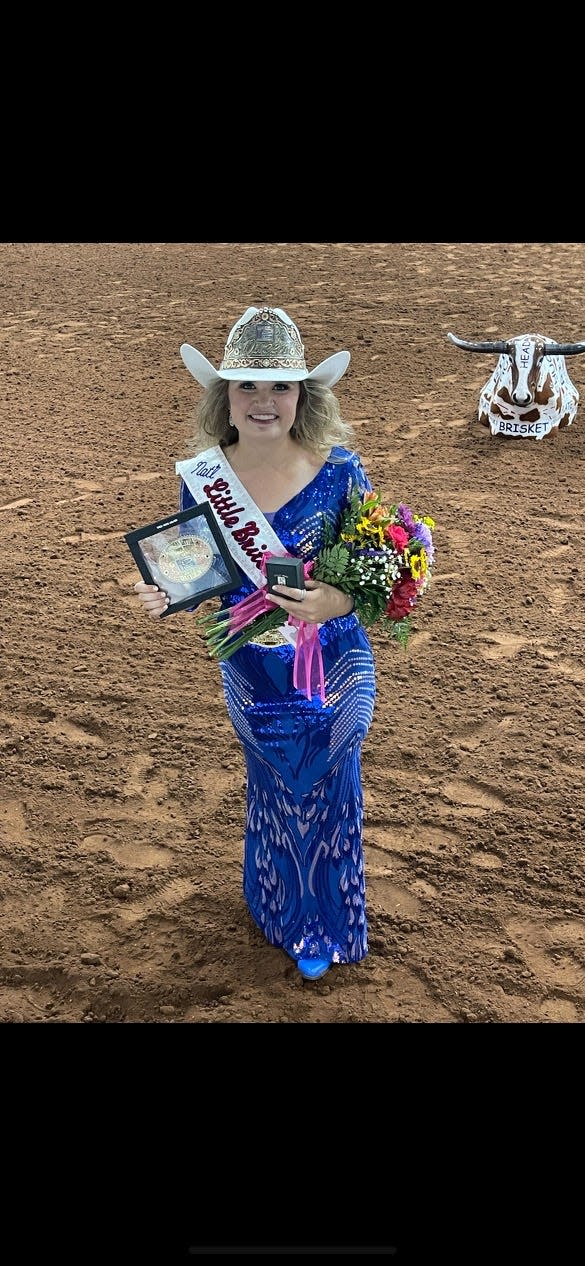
[{"x": 303, "y": 872}]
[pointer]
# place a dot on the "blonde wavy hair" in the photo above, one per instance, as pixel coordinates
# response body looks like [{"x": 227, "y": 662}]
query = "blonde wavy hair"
[{"x": 318, "y": 425}]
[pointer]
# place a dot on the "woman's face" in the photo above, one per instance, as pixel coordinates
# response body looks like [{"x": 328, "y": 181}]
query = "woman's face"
[{"x": 263, "y": 409}]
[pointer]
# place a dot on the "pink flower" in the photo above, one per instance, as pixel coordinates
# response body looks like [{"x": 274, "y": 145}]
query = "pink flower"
[{"x": 397, "y": 535}]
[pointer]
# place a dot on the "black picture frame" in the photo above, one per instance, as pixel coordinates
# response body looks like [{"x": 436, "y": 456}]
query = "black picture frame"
[{"x": 161, "y": 561}]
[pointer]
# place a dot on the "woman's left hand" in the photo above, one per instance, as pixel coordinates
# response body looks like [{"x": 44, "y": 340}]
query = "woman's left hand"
[{"x": 320, "y": 602}]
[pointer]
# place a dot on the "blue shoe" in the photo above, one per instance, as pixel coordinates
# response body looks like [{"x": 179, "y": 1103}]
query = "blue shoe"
[{"x": 312, "y": 968}]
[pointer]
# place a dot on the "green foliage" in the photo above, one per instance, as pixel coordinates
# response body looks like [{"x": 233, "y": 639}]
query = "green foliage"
[
  {"x": 370, "y": 605},
  {"x": 332, "y": 564},
  {"x": 399, "y": 630}
]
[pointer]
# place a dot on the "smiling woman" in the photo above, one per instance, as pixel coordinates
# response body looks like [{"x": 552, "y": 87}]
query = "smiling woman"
[{"x": 279, "y": 477}]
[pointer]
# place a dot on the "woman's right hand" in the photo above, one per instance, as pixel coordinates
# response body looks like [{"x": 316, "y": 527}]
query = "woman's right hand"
[{"x": 155, "y": 601}]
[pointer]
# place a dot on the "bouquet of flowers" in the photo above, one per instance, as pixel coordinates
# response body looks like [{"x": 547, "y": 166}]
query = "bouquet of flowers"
[{"x": 383, "y": 557}]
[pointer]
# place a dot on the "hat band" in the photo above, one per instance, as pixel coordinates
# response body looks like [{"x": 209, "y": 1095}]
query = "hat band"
[{"x": 282, "y": 362}]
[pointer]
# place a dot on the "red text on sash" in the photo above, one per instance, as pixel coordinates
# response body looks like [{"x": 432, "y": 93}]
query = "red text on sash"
[{"x": 226, "y": 510}]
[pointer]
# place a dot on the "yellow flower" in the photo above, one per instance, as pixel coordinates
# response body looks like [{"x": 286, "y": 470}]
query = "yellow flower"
[
  {"x": 365, "y": 528},
  {"x": 418, "y": 564}
]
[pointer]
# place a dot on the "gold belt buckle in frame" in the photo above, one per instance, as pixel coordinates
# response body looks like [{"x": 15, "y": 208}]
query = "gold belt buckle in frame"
[{"x": 272, "y": 637}]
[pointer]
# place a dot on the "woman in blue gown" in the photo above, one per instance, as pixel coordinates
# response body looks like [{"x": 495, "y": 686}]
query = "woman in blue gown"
[{"x": 303, "y": 868}]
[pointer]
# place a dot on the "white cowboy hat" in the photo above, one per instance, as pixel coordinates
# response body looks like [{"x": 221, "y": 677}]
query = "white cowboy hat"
[{"x": 264, "y": 346}]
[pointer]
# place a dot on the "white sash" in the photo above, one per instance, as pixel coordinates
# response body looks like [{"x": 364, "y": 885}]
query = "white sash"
[{"x": 248, "y": 535}]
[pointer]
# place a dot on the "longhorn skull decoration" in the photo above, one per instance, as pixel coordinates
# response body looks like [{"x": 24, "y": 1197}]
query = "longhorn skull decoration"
[{"x": 529, "y": 393}]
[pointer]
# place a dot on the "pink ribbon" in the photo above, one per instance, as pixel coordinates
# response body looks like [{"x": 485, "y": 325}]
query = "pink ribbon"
[
  {"x": 247, "y": 609},
  {"x": 308, "y": 644},
  {"x": 308, "y": 647}
]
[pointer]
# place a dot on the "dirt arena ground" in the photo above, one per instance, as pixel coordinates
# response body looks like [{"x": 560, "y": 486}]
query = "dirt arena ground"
[{"x": 122, "y": 783}]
